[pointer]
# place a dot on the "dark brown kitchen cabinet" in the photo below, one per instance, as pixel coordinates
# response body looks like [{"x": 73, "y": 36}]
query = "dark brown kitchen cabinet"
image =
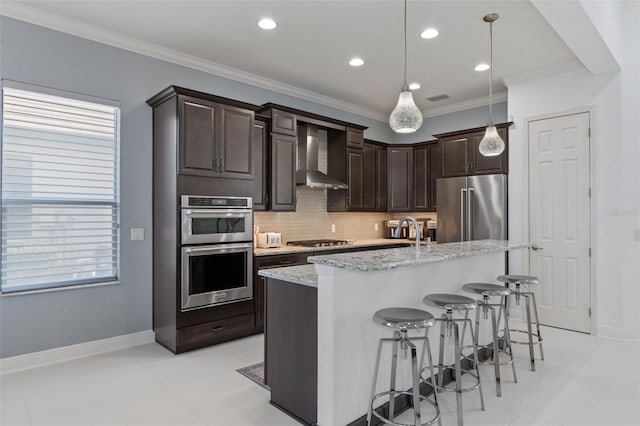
[
  {"x": 260, "y": 155},
  {"x": 460, "y": 155},
  {"x": 283, "y": 123},
  {"x": 374, "y": 188},
  {"x": 425, "y": 172},
  {"x": 215, "y": 139},
  {"x": 347, "y": 165},
  {"x": 283, "y": 173},
  {"x": 355, "y": 137},
  {"x": 400, "y": 178}
]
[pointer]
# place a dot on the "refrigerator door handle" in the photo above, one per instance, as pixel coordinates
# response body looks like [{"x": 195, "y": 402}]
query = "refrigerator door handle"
[
  {"x": 469, "y": 214},
  {"x": 462, "y": 194}
]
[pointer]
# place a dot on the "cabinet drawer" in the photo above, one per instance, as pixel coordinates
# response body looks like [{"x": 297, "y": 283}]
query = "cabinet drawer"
[
  {"x": 276, "y": 261},
  {"x": 215, "y": 330}
]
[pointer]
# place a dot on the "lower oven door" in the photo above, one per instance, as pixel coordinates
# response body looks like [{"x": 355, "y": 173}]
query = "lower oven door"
[{"x": 216, "y": 274}]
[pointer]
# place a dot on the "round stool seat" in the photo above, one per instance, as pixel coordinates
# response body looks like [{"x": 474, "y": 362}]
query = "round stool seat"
[
  {"x": 404, "y": 318},
  {"x": 450, "y": 301},
  {"x": 488, "y": 289},
  {"x": 518, "y": 279}
]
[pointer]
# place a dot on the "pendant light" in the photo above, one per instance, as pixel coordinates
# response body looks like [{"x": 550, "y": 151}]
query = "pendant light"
[
  {"x": 405, "y": 117},
  {"x": 491, "y": 144}
]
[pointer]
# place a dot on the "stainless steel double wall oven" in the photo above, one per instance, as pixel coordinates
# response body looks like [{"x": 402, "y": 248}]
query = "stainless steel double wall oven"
[{"x": 217, "y": 250}]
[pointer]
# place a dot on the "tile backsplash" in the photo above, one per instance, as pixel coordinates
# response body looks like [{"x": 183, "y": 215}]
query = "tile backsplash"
[{"x": 311, "y": 220}]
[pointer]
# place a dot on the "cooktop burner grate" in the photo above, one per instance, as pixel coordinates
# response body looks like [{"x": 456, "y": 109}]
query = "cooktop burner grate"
[{"x": 317, "y": 243}]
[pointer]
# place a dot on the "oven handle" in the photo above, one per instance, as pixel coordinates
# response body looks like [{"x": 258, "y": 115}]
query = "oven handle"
[
  {"x": 215, "y": 212},
  {"x": 222, "y": 248}
]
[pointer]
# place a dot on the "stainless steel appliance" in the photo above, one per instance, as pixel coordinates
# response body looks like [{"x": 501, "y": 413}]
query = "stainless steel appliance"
[
  {"x": 472, "y": 208},
  {"x": 318, "y": 243},
  {"x": 390, "y": 226},
  {"x": 217, "y": 250}
]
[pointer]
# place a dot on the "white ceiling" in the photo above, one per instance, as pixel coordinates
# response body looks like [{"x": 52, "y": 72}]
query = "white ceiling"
[{"x": 314, "y": 40}]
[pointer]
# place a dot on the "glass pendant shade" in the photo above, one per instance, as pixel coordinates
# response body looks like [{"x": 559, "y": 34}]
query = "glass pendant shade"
[
  {"x": 405, "y": 117},
  {"x": 491, "y": 143}
]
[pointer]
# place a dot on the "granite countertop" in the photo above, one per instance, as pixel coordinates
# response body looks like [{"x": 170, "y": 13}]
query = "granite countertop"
[
  {"x": 384, "y": 259},
  {"x": 352, "y": 243},
  {"x": 303, "y": 274}
]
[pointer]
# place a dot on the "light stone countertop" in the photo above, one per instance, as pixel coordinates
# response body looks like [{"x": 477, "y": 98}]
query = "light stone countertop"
[
  {"x": 384, "y": 259},
  {"x": 352, "y": 243},
  {"x": 302, "y": 274}
]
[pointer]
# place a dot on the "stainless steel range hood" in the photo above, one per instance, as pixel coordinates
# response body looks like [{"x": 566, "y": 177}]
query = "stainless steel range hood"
[{"x": 310, "y": 141}]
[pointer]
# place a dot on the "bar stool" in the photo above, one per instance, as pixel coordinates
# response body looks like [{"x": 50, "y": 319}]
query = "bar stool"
[
  {"x": 451, "y": 302},
  {"x": 494, "y": 290},
  {"x": 401, "y": 320},
  {"x": 518, "y": 280}
]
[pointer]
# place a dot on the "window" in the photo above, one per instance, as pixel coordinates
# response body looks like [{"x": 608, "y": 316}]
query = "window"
[{"x": 59, "y": 189}]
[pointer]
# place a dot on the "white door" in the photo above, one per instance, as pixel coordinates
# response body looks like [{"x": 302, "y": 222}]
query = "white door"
[{"x": 559, "y": 222}]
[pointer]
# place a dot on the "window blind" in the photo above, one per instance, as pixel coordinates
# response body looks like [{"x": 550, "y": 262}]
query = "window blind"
[{"x": 59, "y": 190}]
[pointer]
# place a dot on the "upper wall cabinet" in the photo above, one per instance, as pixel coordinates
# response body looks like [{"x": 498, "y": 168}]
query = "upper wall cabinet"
[
  {"x": 400, "y": 178},
  {"x": 460, "y": 155},
  {"x": 355, "y": 138},
  {"x": 374, "y": 177},
  {"x": 215, "y": 139},
  {"x": 426, "y": 168}
]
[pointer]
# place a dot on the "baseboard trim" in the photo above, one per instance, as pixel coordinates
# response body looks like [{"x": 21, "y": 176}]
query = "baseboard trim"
[
  {"x": 621, "y": 334},
  {"x": 66, "y": 353}
]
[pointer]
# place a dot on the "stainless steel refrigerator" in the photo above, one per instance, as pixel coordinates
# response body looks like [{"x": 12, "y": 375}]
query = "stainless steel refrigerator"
[{"x": 472, "y": 208}]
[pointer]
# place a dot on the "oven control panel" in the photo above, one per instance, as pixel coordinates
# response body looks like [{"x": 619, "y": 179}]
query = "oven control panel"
[{"x": 216, "y": 202}]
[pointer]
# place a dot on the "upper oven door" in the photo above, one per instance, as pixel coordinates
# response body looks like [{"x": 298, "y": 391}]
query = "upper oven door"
[{"x": 205, "y": 226}]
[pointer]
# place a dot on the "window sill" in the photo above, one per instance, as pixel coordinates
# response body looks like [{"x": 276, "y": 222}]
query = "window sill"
[{"x": 56, "y": 289}]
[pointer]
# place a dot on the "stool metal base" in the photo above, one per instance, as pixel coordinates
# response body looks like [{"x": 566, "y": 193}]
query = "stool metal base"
[{"x": 436, "y": 418}]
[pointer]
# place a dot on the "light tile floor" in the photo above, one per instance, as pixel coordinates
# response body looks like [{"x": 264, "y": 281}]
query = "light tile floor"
[{"x": 584, "y": 380}]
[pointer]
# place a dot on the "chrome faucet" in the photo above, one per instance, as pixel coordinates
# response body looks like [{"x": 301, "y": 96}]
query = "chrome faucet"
[{"x": 416, "y": 226}]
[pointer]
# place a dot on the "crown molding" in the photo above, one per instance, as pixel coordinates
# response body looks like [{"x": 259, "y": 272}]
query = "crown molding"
[
  {"x": 541, "y": 73},
  {"x": 464, "y": 105},
  {"x": 22, "y": 12}
]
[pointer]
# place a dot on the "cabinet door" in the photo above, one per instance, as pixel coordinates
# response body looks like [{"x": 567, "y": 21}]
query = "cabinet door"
[
  {"x": 421, "y": 178},
  {"x": 259, "y": 153},
  {"x": 369, "y": 177},
  {"x": 283, "y": 123},
  {"x": 454, "y": 156},
  {"x": 198, "y": 127},
  {"x": 481, "y": 165},
  {"x": 355, "y": 138},
  {"x": 236, "y": 143},
  {"x": 434, "y": 171},
  {"x": 400, "y": 179},
  {"x": 381, "y": 179},
  {"x": 283, "y": 173},
  {"x": 355, "y": 179}
]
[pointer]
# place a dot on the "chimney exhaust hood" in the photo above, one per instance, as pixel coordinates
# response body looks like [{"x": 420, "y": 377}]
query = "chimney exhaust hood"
[{"x": 308, "y": 173}]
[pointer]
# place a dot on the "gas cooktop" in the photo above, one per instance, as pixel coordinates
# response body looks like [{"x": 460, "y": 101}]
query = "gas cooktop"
[{"x": 317, "y": 243}]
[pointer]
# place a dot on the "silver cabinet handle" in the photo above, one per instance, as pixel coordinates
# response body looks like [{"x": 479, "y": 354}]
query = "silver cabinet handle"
[
  {"x": 535, "y": 247},
  {"x": 462, "y": 191},
  {"x": 469, "y": 217}
]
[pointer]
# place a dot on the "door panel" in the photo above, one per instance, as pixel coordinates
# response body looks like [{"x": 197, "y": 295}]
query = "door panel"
[
  {"x": 560, "y": 219},
  {"x": 451, "y": 206},
  {"x": 236, "y": 143},
  {"x": 487, "y": 207},
  {"x": 283, "y": 173},
  {"x": 197, "y": 139}
]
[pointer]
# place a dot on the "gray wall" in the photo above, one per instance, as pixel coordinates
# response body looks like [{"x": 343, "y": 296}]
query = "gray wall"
[
  {"x": 467, "y": 119},
  {"x": 36, "y": 55}
]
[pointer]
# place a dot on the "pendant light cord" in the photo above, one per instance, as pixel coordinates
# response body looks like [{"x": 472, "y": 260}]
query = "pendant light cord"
[
  {"x": 490, "y": 73},
  {"x": 405, "y": 47}
]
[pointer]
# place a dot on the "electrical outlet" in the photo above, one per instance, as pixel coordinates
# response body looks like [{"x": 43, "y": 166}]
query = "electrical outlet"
[
  {"x": 375, "y": 226},
  {"x": 137, "y": 234},
  {"x": 333, "y": 228}
]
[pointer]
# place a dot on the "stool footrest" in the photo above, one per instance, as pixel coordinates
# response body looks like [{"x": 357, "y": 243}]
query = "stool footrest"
[
  {"x": 533, "y": 335},
  {"x": 408, "y": 393}
]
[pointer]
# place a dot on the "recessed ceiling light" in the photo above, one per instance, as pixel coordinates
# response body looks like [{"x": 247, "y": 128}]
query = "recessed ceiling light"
[
  {"x": 356, "y": 62},
  {"x": 482, "y": 67},
  {"x": 430, "y": 33},
  {"x": 267, "y": 24},
  {"x": 414, "y": 86}
]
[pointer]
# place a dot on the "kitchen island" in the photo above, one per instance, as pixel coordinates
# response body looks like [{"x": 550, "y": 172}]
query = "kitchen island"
[{"x": 347, "y": 289}]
